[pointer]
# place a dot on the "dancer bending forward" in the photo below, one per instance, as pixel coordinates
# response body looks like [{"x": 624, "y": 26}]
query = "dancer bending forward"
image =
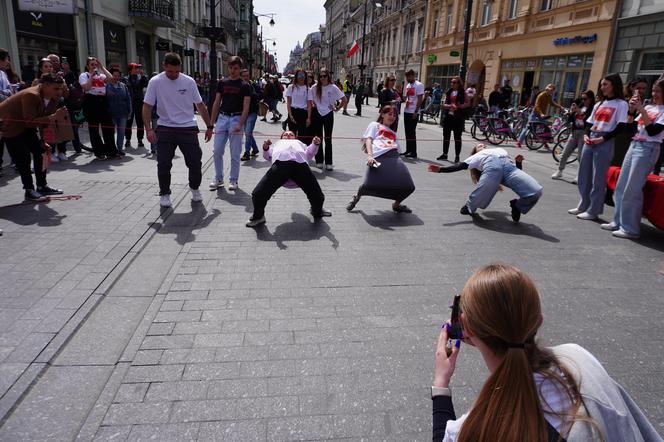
[
  {"x": 388, "y": 178},
  {"x": 490, "y": 168},
  {"x": 289, "y": 158}
]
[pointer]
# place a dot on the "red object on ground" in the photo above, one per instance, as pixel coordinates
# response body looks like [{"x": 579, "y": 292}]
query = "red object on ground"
[{"x": 653, "y": 196}]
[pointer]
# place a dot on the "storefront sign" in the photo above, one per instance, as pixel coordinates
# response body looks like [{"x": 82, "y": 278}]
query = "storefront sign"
[
  {"x": 432, "y": 58},
  {"x": 50, "y": 6},
  {"x": 454, "y": 53},
  {"x": 56, "y": 26},
  {"x": 163, "y": 46},
  {"x": 114, "y": 37},
  {"x": 574, "y": 40}
]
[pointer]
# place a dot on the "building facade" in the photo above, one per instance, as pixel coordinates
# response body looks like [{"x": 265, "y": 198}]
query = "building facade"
[
  {"x": 639, "y": 44},
  {"x": 311, "y": 52},
  {"x": 334, "y": 43},
  {"x": 531, "y": 43},
  {"x": 294, "y": 60}
]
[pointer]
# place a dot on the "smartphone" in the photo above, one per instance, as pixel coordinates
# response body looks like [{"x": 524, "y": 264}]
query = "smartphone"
[
  {"x": 64, "y": 60},
  {"x": 455, "y": 332},
  {"x": 375, "y": 165}
]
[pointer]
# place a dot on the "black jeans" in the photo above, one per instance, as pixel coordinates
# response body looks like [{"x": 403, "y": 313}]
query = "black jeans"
[
  {"x": 170, "y": 138},
  {"x": 451, "y": 124},
  {"x": 323, "y": 124},
  {"x": 95, "y": 108},
  {"x": 136, "y": 114},
  {"x": 299, "y": 128},
  {"x": 409, "y": 125},
  {"x": 20, "y": 148},
  {"x": 277, "y": 175}
]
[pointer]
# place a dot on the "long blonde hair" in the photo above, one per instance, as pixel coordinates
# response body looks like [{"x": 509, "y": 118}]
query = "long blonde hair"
[{"x": 501, "y": 307}]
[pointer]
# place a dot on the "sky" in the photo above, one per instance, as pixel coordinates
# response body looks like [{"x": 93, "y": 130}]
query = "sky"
[{"x": 294, "y": 19}]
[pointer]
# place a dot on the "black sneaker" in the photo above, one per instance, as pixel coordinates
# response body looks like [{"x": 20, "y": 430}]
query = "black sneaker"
[
  {"x": 442, "y": 157},
  {"x": 33, "y": 195},
  {"x": 244, "y": 157},
  {"x": 321, "y": 214},
  {"x": 464, "y": 210},
  {"x": 456, "y": 160},
  {"x": 516, "y": 214},
  {"x": 127, "y": 143},
  {"x": 46, "y": 190},
  {"x": 254, "y": 153},
  {"x": 140, "y": 144}
]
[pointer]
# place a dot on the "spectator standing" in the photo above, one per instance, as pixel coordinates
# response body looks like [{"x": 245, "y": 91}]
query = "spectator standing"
[
  {"x": 413, "y": 94},
  {"x": 347, "y": 88},
  {"x": 136, "y": 82},
  {"x": 95, "y": 108},
  {"x": 453, "y": 119},
  {"x": 495, "y": 99},
  {"x": 297, "y": 102},
  {"x": 26, "y": 113},
  {"x": 580, "y": 111},
  {"x": 44, "y": 67},
  {"x": 174, "y": 94},
  {"x": 250, "y": 146},
  {"x": 359, "y": 98},
  {"x": 119, "y": 106},
  {"x": 506, "y": 94},
  {"x": 6, "y": 91},
  {"x": 389, "y": 95},
  {"x": 231, "y": 106}
]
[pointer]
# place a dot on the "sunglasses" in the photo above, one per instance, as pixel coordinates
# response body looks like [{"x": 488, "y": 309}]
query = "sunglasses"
[
  {"x": 454, "y": 82},
  {"x": 322, "y": 76}
]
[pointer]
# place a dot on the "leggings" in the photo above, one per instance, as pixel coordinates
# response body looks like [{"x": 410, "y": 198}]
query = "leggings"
[
  {"x": 451, "y": 124},
  {"x": 324, "y": 124}
]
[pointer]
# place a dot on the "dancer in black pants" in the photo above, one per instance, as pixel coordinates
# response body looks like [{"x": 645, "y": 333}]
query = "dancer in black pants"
[
  {"x": 137, "y": 82},
  {"x": 95, "y": 108},
  {"x": 297, "y": 102},
  {"x": 289, "y": 169},
  {"x": 323, "y": 97},
  {"x": 413, "y": 93},
  {"x": 453, "y": 121}
]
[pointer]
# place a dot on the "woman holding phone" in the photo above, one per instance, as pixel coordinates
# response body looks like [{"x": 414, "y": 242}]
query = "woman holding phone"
[
  {"x": 95, "y": 108},
  {"x": 533, "y": 393},
  {"x": 388, "y": 178}
]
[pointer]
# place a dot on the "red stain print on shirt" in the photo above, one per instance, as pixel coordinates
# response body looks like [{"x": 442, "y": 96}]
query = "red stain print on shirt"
[
  {"x": 653, "y": 115},
  {"x": 604, "y": 114},
  {"x": 387, "y": 135},
  {"x": 97, "y": 81}
]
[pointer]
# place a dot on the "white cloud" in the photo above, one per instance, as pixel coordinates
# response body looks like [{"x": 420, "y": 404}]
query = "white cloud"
[{"x": 294, "y": 20}]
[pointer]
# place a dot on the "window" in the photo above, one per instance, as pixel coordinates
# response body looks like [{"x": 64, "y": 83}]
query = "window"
[
  {"x": 513, "y": 8},
  {"x": 545, "y": 5},
  {"x": 652, "y": 61},
  {"x": 486, "y": 12},
  {"x": 434, "y": 26},
  {"x": 243, "y": 13},
  {"x": 448, "y": 21}
]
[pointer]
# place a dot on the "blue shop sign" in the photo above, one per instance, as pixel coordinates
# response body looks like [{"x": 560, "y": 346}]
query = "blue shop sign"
[{"x": 574, "y": 40}]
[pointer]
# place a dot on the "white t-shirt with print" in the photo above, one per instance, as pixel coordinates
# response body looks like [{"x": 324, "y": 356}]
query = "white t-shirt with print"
[
  {"x": 412, "y": 91},
  {"x": 607, "y": 114},
  {"x": 478, "y": 161},
  {"x": 656, "y": 116},
  {"x": 174, "y": 98},
  {"x": 329, "y": 96},
  {"x": 383, "y": 139},
  {"x": 299, "y": 96},
  {"x": 98, "y": 83}
]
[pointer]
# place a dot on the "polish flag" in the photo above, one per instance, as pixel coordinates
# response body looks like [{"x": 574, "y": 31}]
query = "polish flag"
[{"x": 353, "y": 49}]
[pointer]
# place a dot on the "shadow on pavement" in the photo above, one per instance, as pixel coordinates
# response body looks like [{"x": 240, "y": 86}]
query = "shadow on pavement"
[
  {"x": 651, "y": 237},
  {"x": 334, "y": 174},
  {"x": 27, "y": 214},
  {"x": 237, "y": 197},
  {"x": 300, "y": 229},
  {"x": 96, "y": 166},
  {"x": 184, "y": 224},
  {"x": 256, "y": 163},
  {"x": 501, "y": 222},
  {"x": 388, "y": 219}
]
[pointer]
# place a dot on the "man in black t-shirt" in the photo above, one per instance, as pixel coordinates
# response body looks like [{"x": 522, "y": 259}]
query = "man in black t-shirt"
[
  {"x": 506, "y": 92},
  {"x": 231, "y": 105},
  {"x": 136, "y": 82}
]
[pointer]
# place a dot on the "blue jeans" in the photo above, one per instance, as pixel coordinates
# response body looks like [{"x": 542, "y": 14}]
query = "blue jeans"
[
  {"x": 500, "y": 170},
  {"x": 595, "y": 163},
  {"x": 639, "y": 161},
  {"x": 120, "y": 126},
  {"x": 532, "y": 117},
  {"x": 249, "y": 140},
  {"x": 225, "y": 131}
]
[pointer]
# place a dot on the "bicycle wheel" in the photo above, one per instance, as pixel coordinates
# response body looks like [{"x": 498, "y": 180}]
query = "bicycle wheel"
[
  {"x": 557, "y": 151},
  {"x": 563, "y": 135},
  {"x": 494, "y": 137},
  {"x": 473, "y": 131},
  {"x": 532, "y": 142}
]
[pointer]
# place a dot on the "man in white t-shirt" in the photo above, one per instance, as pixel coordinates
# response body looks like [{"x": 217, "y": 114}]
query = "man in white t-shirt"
[
  {"x": 414, "y": 93},
  {"x": 174, "y": 94}
]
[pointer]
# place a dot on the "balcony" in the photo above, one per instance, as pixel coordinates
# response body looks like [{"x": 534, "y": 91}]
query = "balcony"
[{"x": 160, "y": 13}]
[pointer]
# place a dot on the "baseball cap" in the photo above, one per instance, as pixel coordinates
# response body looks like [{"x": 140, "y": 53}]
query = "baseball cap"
[{"x": 134, "y": 65}]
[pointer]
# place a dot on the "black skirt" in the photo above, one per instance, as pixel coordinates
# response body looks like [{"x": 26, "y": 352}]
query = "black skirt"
[{"x": 391, "y": 180}]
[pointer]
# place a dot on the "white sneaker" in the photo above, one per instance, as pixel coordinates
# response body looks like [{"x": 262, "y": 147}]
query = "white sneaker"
[
  {"x": 232, "y": 186},
  {"x": 196, "y": 195},
  {"x": 214, "y": 185},
  {"x": 329, "y": 167},
  {"x": 62, "y": 156},
  {"x": 255, "y": 222},
  {"x": 165, "y": 201},
  {"x": 54, "y": 158},
  {"x": 319, "y": 166},
  {"x": 574, "y": 211},
  {"x": 587, "y": 216},
  {"x": 609, "y": 226},
  {"x": 557, "y": 176},
  {"x": 622, "y": 234},
  {"x": 574, "y": 181}
]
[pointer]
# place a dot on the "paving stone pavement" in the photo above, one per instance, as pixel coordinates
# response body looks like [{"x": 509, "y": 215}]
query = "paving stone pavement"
[{"x": 186, "y": 325}]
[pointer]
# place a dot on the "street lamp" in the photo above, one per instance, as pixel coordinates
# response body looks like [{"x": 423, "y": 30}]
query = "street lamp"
[{"x": 466, "y": 33}]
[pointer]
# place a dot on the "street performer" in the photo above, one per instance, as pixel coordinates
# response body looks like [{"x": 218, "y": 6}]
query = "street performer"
[{"x": 24, "y": 116}]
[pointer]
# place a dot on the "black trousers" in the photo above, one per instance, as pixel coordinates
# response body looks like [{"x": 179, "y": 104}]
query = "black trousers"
[
  {"x": 20, "y": 148},
  {"x": 300, "y": 126},
  {"x": 170, "y": 138},
  {"x": 358, "y": 104},
  {"x": 409, "y": 125},
  {"x": 136, "y": 114},
  {"x": 277, "y": 175},
  {"x": 451, "y": 124},
  {"x": 95, "y": 109},
  {"x": 323, "y": 124}
]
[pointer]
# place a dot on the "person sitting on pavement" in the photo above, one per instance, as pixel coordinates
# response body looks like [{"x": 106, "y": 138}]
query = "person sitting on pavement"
[
  {"x": 24, "y": 116},
  {"x": 390, "y": 178},
  {"x": 489, "y": 168},
  {"x": 532, "y": 393},
  {"x": 289, "y": 169}
]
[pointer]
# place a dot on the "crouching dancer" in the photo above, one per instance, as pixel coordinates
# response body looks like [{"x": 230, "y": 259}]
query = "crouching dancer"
[
  {"x": 289, "y": 158},
  {"x": 489, "y": 168}
]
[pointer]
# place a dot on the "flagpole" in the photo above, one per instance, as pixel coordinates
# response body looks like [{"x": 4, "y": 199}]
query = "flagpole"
[{"x": 364, "y": 35}]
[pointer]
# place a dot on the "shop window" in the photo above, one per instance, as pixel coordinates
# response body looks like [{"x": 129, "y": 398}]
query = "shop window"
[
  {"x": 513, "y": 8},
  {"x": 589, "y": 61},
  {"x": 549, "y": 63},
  {"x": 562, "y": 62},
  {"x": 652, "y": 61},
  {"x": 486, "y": 12},
  {"x": 575, "y": 61},
  {"x": 545, "y": 5}
]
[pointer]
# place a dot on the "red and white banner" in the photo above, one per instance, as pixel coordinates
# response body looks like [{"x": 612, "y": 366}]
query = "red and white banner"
[{"x": 353, "y": 49}]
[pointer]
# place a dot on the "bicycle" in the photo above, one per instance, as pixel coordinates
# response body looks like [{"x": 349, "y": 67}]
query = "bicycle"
[{"x": 480, "y": 122}]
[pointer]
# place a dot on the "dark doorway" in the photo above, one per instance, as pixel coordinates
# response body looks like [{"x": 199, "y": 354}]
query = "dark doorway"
[{"x": 526, "y": 92}]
